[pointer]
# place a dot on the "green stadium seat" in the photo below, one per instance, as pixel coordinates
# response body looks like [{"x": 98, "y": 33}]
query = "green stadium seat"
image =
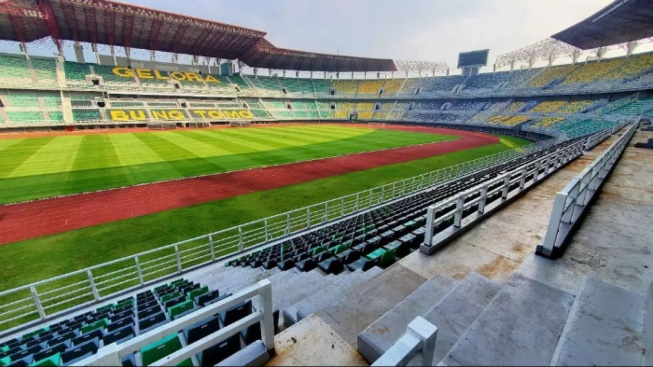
[
  {"x": 54, "y": 360},
  {"x": 76, "y": 72},
  {"x": 95, "y": 326},
  {"x": 181, "y": 309},
  {"x": 104, "y": 308},
  {"x": 162, "y": 348},
  {"x": 177, "y": 282},
  {"x": 197, "y": 292},
  {"x": 170, "y": 296}
]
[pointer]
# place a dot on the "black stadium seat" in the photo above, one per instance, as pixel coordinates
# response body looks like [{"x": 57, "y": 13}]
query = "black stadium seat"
[
  {"x": 119, "y": 335},
  {"x": 219, "y": 352},
  {"x": 201, "y": 329},
  {"x": 236, "y": 313},
  {"x": 80, "y": 352}
]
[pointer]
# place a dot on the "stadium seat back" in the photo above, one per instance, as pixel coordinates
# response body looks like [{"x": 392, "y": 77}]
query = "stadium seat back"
[
  {"x": 201, "y": 329},
  {"x": 219, "y": 352},
  {"x": 120, "y": 335},
  {"x": 180, "y": 309},
  {"x": 160, "y": 349},
  {"x": 236, "y": 313}
]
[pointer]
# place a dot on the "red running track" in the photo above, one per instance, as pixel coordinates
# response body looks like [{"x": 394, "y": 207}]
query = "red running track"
[{"x": 50, "y": 216}]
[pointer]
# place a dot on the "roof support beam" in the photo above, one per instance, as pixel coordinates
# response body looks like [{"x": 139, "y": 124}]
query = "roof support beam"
[
  {"x": 128, "y": 27},
  {"x": 71, "y": 19},
  {"x": 51, "y": 23},
  {"x": 154, "y": 31}
]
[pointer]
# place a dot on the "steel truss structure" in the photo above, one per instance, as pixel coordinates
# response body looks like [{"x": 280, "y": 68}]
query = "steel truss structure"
[{"x": 104, "y": 22}]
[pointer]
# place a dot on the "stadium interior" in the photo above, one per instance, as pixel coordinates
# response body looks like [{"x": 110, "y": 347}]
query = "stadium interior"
[{"x": 370, "y": 275}]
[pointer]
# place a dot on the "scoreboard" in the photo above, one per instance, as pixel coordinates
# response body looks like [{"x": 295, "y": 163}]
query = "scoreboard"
[{"x": 473, "y": 58}]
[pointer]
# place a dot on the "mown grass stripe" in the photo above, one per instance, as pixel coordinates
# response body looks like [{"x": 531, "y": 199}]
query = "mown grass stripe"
[
  {"x": 45, "y": 257},
  {"x": 142, "y": 164},
  {"x": 182, "y": 160},
  {"x": 97, "y": 164},
  {"x": 43, "y": 174},
  {"x": 13, "y": 156}
]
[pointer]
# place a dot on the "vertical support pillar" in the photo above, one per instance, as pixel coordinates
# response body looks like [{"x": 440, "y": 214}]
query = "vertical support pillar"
[
  {"x": 428, "y": 233},
  {"x": 267, "y": 323},
  {"x": 460, "y": 206},
  {"x": 91, "y": 282},
  {"x": 37, "y": 302}
]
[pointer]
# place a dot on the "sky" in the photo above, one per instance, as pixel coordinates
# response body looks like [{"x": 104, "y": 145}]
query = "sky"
[{"x": 432, "y": 30}]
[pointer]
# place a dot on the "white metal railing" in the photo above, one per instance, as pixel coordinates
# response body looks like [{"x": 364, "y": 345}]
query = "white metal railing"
[
  {"x": 572, "y": 202},
  {"x": 420, "y": 337},
  {"x": 446, "y": 220},
  {"x": 112, "y": 354},
  {"x": 52, "y": 297}
]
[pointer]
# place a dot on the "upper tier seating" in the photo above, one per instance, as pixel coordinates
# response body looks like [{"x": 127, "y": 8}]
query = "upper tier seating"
[
  {"x": 548, "y": 121},
  {"x": 22, "y": 99},
  {"x": 592, "y": 71},
  {"x": 636, "y": 108},
  {"x": 106, "y": 72},
  {"x": 239, "y": 81},
  {"x": 365, "y": 106},
  {"x": 76, "y": 72},
  {"x": 345, "y": 86},
  {"x": 15, "y": 69},
  {"x": 441, "y": 83},
  {"x": 297, "y": 85},
  {"x": 28, "y": 117},
  {"x": 632, "y": 67},
  {"x": 507, "y": 79},
  {"x": 45, "y": 70},
  {"x": 370, "y": 86},
  {"x": 322, "y": 85},
  {"x": 465, "y": 106},
  {"x": 266, "y": 84},
  {"x": 392, "y": 86},
  {"x": 410, "y": 85},
  {"x": 550, "y": 75}
]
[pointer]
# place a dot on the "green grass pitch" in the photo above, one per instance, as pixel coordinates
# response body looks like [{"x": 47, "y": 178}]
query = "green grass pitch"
[
  {"x": 46, "y": 257},
  {"x": 33, "y": 168}
]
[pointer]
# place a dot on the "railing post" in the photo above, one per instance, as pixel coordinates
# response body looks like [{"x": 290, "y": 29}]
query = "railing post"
[
  {"x": 483, "y": 199},
  {"x": 37, "y": 302},
  {"x": 536, "y": 175},
  {"x": 522, "y": 180},
  {"x": 178, "y": 258},
  {"x": 370, "y": 193},
  {"x": 91, "y": 282},
  {"x": 267, "y": 323},
  {"x": 266, "y": 229},
  {"x": 342, "y": 206},
  {"x": 357, "y": 201},
  {"x": 554, "y": 224},
  {"x": 326, "y": 211},
  {"x": 308, "y": 218},
  {"x": 287, "y": 224},
  {"x": 460, "y": 206},
  {"x": 140, "y": 272},
  {"x": 428, "y": 233},
  {"x": 506, "y": 187}
]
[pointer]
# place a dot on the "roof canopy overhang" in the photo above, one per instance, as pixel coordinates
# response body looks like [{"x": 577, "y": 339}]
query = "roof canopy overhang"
[
  {"x": 129, "y": 26},
  {"x": 620, "y": 22}
]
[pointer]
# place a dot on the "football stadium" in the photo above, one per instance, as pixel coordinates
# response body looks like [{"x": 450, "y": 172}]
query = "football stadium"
[{"x": 181, "y": 191}]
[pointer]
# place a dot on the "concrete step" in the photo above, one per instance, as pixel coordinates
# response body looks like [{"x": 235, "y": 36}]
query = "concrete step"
[
  {"x": 605, "y": 327},
  {"x": 377, "y": 338},
  {"x": 361, "y": 306},
  {"x": 296, "y": 288},
  {"x": 520, "y": 326},
  {"x": 328, "y": 296},
  {"x": 458, "y": 310}
]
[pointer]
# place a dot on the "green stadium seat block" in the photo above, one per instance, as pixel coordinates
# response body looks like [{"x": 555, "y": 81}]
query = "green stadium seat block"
[
  {"x": 180, "y": 308},
  {"x": 35, "y": 332},
  {"x": 197, "y": 292},
  {"x": 162, "y": 348},
  {"x": 177, "y": 282},
  {"x": 376, "y": 254},
  {"x": 160, "y": 288},
  {"x": 107, "y": 307},
  {"x": 94, "y": 326},
  {"x": 387, "y": 258},
  {"x": 54, "y": 360},
  {"x": 4, "y": 349},
  {"x": 170, "y": 296},
  {"x": 5, "y": 361}
]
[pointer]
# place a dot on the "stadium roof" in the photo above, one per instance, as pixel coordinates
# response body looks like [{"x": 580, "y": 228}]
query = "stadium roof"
[
  {"x": 620, "y": 22},
  {"x": 130, "y": 26}
]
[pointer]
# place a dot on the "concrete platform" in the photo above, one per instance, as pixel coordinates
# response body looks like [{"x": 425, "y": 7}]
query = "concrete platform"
[
  {"x": 458, "y": 310},
  {"x": 360, "y": 307},
  {"x": 377, "y": 338},
  {"x": 313, "y": 342},
  {"x": 521, "y": 326},
  {"x": 605, "y": 327}
]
